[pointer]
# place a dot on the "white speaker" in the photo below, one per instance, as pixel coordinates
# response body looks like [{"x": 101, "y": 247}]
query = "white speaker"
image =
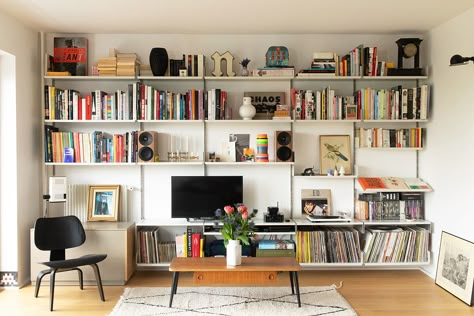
[{"x": 57, "y": 189}]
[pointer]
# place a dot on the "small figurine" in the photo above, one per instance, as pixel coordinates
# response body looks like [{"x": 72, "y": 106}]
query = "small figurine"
[
  {"x": 342, "y": 171},
  {"x": 308, "y": 172}
]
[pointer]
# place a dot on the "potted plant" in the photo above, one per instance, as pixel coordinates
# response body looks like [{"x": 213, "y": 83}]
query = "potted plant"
[
  {"x": 237, "y": 228},
  {"x": 244, "y": 64}
]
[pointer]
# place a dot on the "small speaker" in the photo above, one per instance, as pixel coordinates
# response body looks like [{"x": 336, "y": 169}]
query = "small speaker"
[
  {"x": 57, "y": 189},
  {"x": 147, "y": 146},
  {"x": 283, "y": 146},
  {"x": 158, "y": 61}
]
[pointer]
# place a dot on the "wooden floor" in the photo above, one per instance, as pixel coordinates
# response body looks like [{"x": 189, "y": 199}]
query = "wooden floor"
[{"x": 406, "y": 292}]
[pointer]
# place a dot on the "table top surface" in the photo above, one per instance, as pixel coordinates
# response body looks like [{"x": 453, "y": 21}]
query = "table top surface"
[{"x": 185, "y": 264}]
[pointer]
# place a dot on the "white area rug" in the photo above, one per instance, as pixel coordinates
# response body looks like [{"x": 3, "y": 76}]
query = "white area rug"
[{"x": 321, "y": 300}]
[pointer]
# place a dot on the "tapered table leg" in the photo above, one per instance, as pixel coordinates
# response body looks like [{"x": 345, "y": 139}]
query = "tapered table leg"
[
  {"x": 297, "y": 288},
  {"x": 174, "y": 286}
]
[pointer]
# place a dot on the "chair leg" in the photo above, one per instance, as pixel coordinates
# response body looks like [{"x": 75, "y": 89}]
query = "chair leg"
[
  {"x": 81, "y": 279},
  {"x": 39, "y": 277},
  {"x": 51, "y": 288},
  {"x": 99, "y": 281}
]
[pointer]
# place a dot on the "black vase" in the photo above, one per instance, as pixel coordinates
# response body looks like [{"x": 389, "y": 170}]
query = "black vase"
[{"x": 158, "y": 61}]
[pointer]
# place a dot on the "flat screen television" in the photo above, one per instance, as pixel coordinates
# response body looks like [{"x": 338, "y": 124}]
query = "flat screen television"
[{"x": 198, "y": 197}]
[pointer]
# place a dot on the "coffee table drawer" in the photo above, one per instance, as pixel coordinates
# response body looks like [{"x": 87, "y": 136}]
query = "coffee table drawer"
[{"x": 235, "y": 277}]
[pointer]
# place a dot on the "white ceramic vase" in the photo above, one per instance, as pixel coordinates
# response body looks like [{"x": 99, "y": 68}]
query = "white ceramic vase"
[
  {"x": 234, "y": 253},
  {"x": 247, "y": 110}
]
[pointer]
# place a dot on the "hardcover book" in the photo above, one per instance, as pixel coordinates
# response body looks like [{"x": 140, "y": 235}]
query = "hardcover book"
[
  {"x": 70, "y": 54},
  {"x": 371, "y": 183}
]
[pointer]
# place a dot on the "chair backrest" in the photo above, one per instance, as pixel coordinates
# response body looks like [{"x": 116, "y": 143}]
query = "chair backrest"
[{"x": 59, "y": 233}]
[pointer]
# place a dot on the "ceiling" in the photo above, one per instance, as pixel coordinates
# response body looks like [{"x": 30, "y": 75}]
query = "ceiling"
[{"x": 234, "y": 17}]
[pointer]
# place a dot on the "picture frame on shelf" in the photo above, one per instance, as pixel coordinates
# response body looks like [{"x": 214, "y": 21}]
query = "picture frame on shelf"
[
  {"x": 455, "y": 269},
  {"x": 103, "y": 203},
  {"x": 335, "y": 152},
  {"x": 316, "y": 202}
]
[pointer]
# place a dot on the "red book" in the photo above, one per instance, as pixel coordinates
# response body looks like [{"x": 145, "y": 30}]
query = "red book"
[
  {"x": 371, "y": 183},
  {"x": 196, "y": 245},
  {"x": 88, "y": 107}
]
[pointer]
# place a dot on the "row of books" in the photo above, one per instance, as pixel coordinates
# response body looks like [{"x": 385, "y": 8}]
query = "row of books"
[
  {"x": 323, "y": 105},
  {"x": 392, "y": 184},
  {"x": 95, "y": 147},
  {"x": 389, "y": 138},
  {"x": 360, "y": 61},
  {"x": 390, "y": 206},
  {"x": 396, "y": 244},
  {"x": 397, "y": 103},
  {"x": 138, "y": 102},
  {"x": 189, "y": 244},
  {"x": 150, "y": 249},
  {"x": 328, "y": 245},
  {"x": 192, "y": 64}
]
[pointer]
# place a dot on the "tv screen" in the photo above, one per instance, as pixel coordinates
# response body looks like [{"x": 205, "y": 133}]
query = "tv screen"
[{"x": 198, "y": 197}]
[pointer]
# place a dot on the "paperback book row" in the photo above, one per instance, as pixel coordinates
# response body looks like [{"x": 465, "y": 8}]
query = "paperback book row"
[
  {"x": 151, "y": 249},
  {"x": 190, "y": 244},
  {"x": 390, "y": 206},
  {"x": 397, "y": 103},
  {"x": 396, "y": 244},
  {"x": 328, "y": 245},
  {"x": 138, "y": 102},
  {"x": 95, "y": 147},
  {"x": 389, "y": 138}
]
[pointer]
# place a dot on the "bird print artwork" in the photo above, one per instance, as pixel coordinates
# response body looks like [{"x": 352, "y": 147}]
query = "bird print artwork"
[{"x": 334, "y": 153}]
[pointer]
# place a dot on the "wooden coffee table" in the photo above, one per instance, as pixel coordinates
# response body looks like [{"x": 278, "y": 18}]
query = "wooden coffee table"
[{"x": 254, "y": 270}]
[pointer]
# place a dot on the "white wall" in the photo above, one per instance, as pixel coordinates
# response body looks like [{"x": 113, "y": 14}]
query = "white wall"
[
  {"x": 21, "y": 205},
  {"x": 447, "y": 162}
]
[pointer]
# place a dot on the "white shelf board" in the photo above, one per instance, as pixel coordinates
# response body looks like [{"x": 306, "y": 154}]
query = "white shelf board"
[
  {"x": 396, "y": 264},
  {"x": 90, "y": 121},
  {"x": 168, "y": 163},
  {"x": 102, "y": 78},
  {"x": 170, "y": 78},
  {"x": 326, "y": 265},
  {"x": 391, "y": 148},
  {"x": 307, "y": 222},
  {"x": 173, "y": 222},
  {"x": 325, "y": 78},
  {"x": 394, "y": 121},
  {"x": 325, "y": 121},
  {"x": 249, "y": 164},
  {"x": 247, "y": 121},
  {"x": 94, "y": 164},
  {"x": 172, "y": 121},
  {"x": 249, "y": 78},
  {"x": 324, "y": 177},
  {"x": 394, "y": 77}
]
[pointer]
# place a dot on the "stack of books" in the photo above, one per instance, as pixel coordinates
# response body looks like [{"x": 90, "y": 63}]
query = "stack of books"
[
  {"x": 323, "y": 64},
  {"x": 127, "y": 64},
  {"x": 107, "y": 66},
  {"x": 275, "y": 248}
]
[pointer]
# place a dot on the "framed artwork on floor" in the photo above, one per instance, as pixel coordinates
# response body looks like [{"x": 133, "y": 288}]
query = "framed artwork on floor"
[
  {"x": 455, "y": 271},
  {"x": 103, "y": 204},
  {"x": 335, "y": 152}
]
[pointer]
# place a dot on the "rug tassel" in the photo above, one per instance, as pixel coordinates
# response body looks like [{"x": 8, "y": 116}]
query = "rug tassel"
[{"x": 338, "y": 287}]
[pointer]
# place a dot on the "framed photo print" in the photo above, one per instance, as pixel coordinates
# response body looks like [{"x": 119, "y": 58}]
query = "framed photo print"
[
  {"x": 335, "y": 152},
  {"x": 455, "y": 271},
  {"x": 316, "y": 202},
  {"x": 103, "y": 203}
]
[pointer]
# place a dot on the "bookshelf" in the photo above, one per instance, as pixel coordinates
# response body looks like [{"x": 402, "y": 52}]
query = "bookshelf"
[{"x": 281, "y": 181}]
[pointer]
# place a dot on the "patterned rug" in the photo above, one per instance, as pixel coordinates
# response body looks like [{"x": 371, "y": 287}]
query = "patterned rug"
[{"x": 321, "y": 300}]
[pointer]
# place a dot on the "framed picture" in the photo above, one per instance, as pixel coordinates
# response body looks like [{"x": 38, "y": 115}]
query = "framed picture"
[
  {"x": 455, "y": 271},
  {"x": 316, "y": 202},
  {"x": 103, "y": 203},
  {"x": 335, "y": 152}
]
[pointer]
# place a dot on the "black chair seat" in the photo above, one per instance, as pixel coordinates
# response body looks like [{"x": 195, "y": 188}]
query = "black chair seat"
[
  {"x": 76, "y": 262},
  {"x": 56, "y": 234}
]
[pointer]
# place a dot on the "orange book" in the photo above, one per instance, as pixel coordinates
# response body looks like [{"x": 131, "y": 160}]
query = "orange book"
[{"x": 371, "y": 183}]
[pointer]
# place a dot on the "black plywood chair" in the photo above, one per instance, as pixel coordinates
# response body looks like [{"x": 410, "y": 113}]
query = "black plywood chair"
[{"x": 56, "y": 234}]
